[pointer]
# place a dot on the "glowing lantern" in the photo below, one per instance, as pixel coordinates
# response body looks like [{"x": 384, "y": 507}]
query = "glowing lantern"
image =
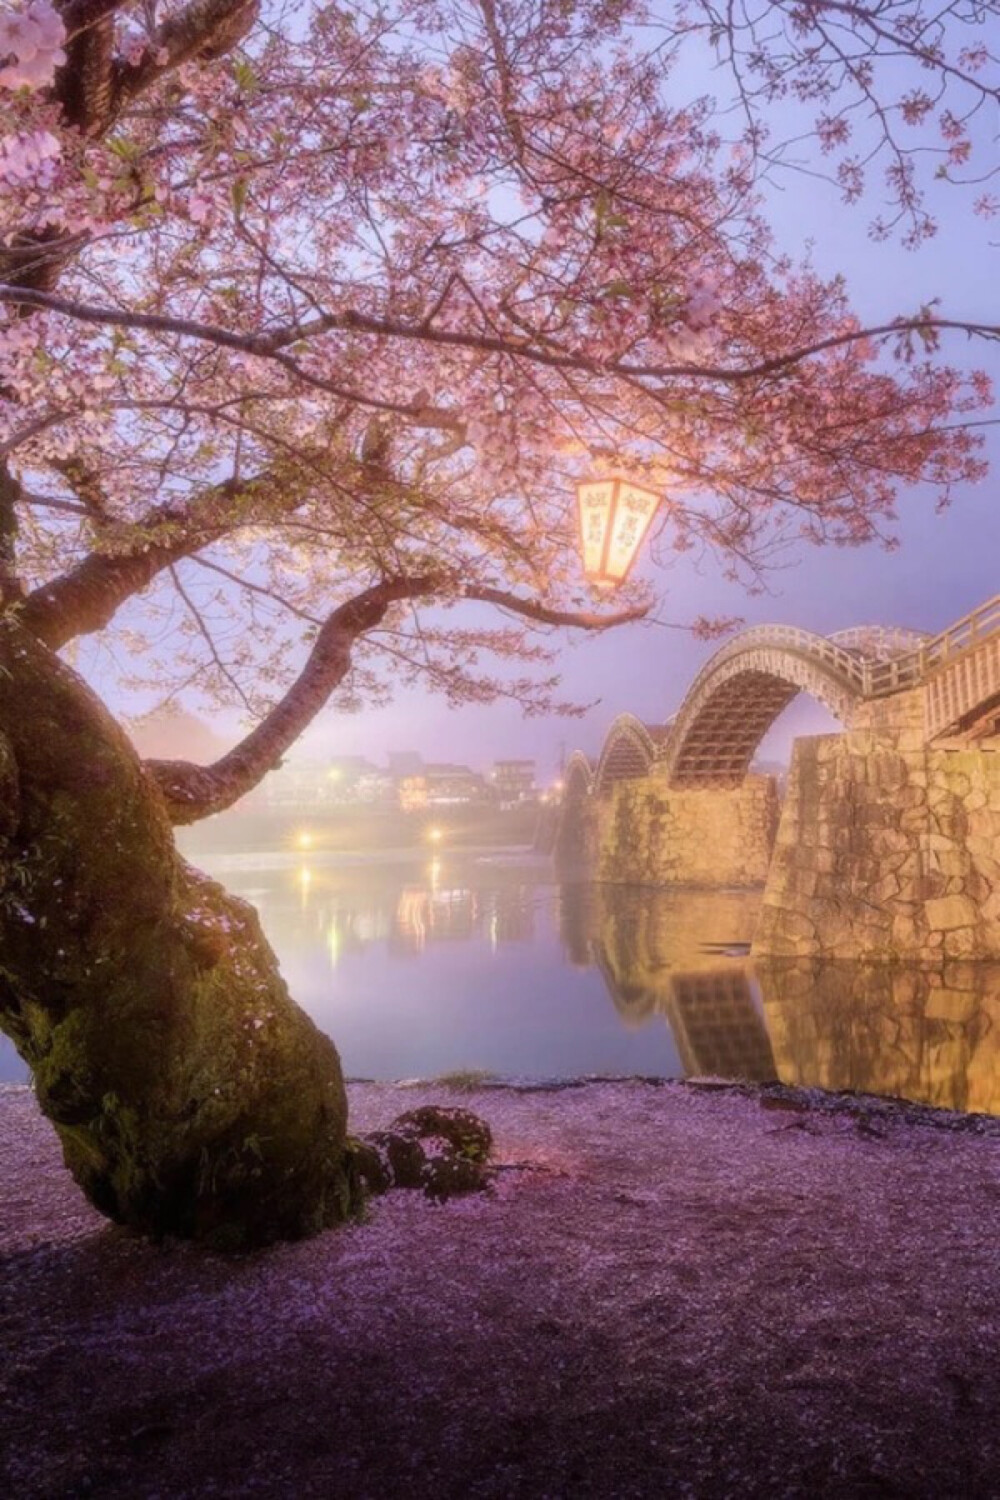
[{"x": 615, "y": 515}]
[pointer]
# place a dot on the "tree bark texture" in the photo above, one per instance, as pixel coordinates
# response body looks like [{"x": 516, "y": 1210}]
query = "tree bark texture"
[{"x": 190, "y": 1093}]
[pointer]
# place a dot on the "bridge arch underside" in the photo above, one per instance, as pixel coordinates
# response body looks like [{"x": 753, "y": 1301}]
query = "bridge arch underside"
[
  {"x": 577, "y": 778},
  {"x": 629, "y": 751},
  {"x": 722, "y": 728}
]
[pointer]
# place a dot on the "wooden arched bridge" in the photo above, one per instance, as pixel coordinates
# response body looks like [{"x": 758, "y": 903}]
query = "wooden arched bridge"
[
  {"x": 887, "y": 842},
  {"x": 946, "y": 686}
]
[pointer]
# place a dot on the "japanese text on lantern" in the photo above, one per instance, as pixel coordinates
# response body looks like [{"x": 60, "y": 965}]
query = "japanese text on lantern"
[{"x": 615, "y": 515}]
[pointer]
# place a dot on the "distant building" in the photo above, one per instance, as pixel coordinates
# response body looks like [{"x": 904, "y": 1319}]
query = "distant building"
[
  {"x": 299, "y": 788},
  {"x": 513, "y": 781},
  {"x": 412, "y": 793},
  {"x": 346, "y": 781},
  {"x": 404, "y": 763},
  {"x": 353, "y": 780},
  {"x": 452, "y": 786},
  {"x": 409, "y": 782},
  {"x": 441, "y": 785}
]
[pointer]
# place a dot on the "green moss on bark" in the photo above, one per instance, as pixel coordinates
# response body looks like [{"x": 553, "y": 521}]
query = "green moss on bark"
[{"x": 191, "y": 1095}]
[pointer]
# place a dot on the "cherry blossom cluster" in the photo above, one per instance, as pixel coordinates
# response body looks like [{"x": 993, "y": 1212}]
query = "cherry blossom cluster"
[
  {"x": 29, "y": 160},
  {"x": 31, "y": 46},
  {"x": 407, "y": 276}
]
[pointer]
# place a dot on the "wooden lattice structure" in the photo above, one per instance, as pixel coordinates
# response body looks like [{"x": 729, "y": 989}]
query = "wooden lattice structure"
[
  {"x": 717, "y": 1027},
  {"x": 630, "y": 750}
]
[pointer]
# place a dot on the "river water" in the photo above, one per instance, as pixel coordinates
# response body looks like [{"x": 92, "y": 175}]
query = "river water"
[{"x": 419, "y": 966}]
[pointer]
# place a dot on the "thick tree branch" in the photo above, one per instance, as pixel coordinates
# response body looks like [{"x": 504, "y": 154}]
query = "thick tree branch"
[
  {"x": 93, "y": 87},
  {"x": 205, "y": 30},
  {"x": 83, "y": 84},
  {"x": 194, "y": 792},
  {"x": 87, "y": 598},
  {"x": 531, "y": 609},
  {"x": 268, "y": 346}
]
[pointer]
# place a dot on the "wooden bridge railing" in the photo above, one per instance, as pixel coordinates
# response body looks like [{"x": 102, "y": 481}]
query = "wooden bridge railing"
[
  {"x": 916, "y": 666},
  {"x": 845, "y": 651},
  {"x": 844, "y": 661}
]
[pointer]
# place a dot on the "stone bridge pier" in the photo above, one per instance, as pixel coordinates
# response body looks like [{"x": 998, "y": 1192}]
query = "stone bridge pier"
[
  {"x": 888, "y": 848},
  {"x": 646, "y": 832}
]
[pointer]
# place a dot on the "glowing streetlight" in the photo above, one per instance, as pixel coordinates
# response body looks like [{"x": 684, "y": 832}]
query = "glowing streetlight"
[
  {"x": 615, "y": 514},
  {"x": 305, "y": 840},
  {"x": 435, "y": 835}
]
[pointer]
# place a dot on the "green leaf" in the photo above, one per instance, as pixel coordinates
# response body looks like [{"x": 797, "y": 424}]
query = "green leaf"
[
  {"x": 123, "y": 148},
  {"x": 246, "y": 78}
]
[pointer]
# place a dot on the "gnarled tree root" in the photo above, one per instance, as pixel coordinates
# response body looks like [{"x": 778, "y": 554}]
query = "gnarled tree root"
[{"x": 438, "y": 1149}]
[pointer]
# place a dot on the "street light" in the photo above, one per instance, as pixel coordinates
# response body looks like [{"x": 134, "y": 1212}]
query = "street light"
[{"x": 615, "y": 514}]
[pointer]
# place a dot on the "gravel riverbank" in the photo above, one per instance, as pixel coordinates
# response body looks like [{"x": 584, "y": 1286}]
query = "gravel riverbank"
[{"x": 668, "y": 1291}]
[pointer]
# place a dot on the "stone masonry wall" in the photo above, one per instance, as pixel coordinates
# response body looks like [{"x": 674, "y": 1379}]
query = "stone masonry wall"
[
  {"x": 900, "y": 712},
  {"x": 650, "y": 833},
  {"x": 887, "y": 849}
]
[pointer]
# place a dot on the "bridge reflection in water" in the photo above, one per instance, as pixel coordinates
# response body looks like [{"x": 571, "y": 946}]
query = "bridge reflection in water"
[{"x": 930, "y": 1035}]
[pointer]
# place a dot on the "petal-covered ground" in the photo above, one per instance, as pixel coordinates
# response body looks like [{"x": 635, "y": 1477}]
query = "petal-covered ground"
[{"x": 670, "y": 1291}]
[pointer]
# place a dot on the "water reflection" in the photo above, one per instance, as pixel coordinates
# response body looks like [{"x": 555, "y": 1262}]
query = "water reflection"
[
  {"x": 921, "y": 1034},
  {"x": 659, "y": 956},
  {"x": 404, "y": 909},
  {"x": 425, "y": 964},
  {"x": 931, "y": 1035}
]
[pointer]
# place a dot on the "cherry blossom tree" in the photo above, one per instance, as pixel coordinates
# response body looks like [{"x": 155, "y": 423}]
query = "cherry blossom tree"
[{"x": 310, "y": 318}]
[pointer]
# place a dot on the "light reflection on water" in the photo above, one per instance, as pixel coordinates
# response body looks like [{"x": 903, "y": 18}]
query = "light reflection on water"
[{"x": 424, "y": 965}]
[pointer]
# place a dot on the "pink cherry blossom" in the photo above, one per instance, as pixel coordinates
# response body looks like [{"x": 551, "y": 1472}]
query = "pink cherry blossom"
[
  {"x": 408, "y": 274},
  {"x": 33, "y": 38},
  {"x": 29, "y": 158}
]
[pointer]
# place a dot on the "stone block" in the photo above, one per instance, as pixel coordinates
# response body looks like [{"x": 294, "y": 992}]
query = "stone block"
[
  {"x": 949, "y": 913},
  {"x": 891, "y": 841},
  {"x": 950, "y": 1005},
  {"x": 914, "y": 820},
  {"x": 961, "y": 943},
  {"x": 905, "y": 936},
  {"x": 912, "y": 741},
  {"x": 884, "y": 890}
]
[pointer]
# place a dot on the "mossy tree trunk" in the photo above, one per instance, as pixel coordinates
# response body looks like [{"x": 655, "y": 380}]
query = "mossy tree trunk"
[{"x": 190, "y": 1093}]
